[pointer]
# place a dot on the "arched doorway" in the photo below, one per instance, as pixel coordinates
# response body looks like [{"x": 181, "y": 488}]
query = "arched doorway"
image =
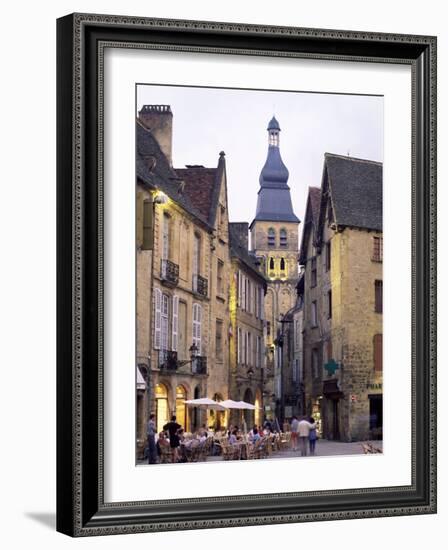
[
  {"x": 248, "y": 414},
  {"x": 162, "y": 411},
  {"x": 181, "y": 409},
  {"x": 258, "y": 411}
]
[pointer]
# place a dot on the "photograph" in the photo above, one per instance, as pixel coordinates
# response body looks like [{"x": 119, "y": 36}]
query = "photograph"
[{"x": 259, "y": 274}]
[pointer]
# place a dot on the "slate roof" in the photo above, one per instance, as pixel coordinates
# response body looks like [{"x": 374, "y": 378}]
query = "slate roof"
[
  {"x": 273, "y": 124},
  {"x": 241, "y": 252},
  {"x": 198, "y": 193},
  {"x": 274, "y": 198},
  {"x": 311, "y": 220},
  {"x": 202, "y": 186},
  {"x": 356, "y": 190},
  {"x": 314, "y": 197}
]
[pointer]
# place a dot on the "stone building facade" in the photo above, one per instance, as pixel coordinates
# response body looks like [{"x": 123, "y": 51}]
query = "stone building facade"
[
  {"x": 182, "y": 328},
  {"x": 275, "y": 241},
  {"x": 247, "y": 347},
  {"x": 341, "y": 253},
  {"x": 291, "y": 345}
]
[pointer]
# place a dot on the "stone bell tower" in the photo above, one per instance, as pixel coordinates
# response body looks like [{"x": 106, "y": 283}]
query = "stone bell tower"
[{"x": 275, "y": 237}]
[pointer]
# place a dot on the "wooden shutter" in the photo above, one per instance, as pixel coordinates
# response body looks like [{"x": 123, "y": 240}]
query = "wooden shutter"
[
  {"x": 139, "y": 218},
  {"x": 238, "y": 332},
  {"x": 262, "y": 303},
  {"x": 157, "y": 317},
  {"x": 378, "y": 352},
  {"x": 240, "y": 291},
  {"x": 197, "y": 328},
  {"x": 175, "y": 323},
  {"x": 379, "y": 296},
  {"x": 147, "y": 225}
]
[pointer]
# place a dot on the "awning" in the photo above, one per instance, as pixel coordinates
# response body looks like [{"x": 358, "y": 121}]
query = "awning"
[
  {"x": 141, "y": 384},
  {"x": 205, "y": 403}
]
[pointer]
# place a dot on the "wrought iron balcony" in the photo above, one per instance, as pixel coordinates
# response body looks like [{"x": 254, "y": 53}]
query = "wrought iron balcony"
[
  {"x": 169, "y": 272},
  {"x": 199, "y": 365},
  {"x": 168, "y": 360},
  {"x": 200, "y": 285}
]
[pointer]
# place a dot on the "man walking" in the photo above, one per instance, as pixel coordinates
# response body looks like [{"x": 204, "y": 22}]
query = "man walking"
[
  {"x": 304, "y": 428},
  {"x": 151, "y": 433}
]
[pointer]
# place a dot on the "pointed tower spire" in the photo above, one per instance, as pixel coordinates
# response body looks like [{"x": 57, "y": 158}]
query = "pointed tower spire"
[{"x": 274, "y": 198}]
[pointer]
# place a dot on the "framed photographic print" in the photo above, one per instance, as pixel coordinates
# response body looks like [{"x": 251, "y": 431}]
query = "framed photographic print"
[{"x": 246, "y": 274}]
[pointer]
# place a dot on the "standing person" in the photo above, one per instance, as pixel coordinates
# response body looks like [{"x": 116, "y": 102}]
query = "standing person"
[
  {"x": 294, "y": 433},
  {"x": 312, "y": 437},
  {"x": 172, "y": 428},
  {"x": 304, "y": 433},
  {"x": 151, "y": 434}
]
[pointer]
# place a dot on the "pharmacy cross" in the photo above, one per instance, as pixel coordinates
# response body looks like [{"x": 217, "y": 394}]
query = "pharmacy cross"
[{"x": 331, "y": 367}]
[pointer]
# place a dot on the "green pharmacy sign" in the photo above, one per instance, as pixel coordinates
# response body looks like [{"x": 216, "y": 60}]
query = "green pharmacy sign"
[{"x": 331, "y": 367}]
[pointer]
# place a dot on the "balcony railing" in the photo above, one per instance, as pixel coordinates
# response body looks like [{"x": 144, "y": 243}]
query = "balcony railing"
[
  {"x": 199, "y": 365},
  {"x": 200, "y": 285},
  {"x": 169, "y": 272},
  {"x": 168, "y": 360}
]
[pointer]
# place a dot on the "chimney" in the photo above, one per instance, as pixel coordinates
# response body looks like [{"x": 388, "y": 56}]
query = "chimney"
[
  {"x": 159, "y": 120},
  {"x": 240, "y": 232}
]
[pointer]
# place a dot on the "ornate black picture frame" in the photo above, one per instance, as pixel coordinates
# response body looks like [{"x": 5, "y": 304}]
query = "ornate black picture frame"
[{"x": 81, "y": 509}]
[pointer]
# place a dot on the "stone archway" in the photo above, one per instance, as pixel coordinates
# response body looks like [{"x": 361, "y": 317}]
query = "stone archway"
[
  {"x": 181, "y": 409},
  {"x": 162, "y": 409}
]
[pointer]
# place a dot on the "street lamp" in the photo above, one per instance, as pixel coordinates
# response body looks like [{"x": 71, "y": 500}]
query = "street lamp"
[{"x": 194, "y": 350}]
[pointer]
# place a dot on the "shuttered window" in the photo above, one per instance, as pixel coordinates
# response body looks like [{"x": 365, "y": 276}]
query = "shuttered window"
[
  {"x": 328, "y": 256},
  {"x": 240, "y": 289},
  {"x": 197, "y": 326},
  {"x": 262, "y": 303},
  {"x": 148, "y": 225},
  {"x": 239, "y": 343},
  {"x": 157, "y": 297},
  {"x": 378, "y": 352},
  {"x": 175, "y": 324},
  {"x": 164, "y": 328},
  {"x": 377, "y": 252},
  {"x": 243, "y": 297},
  {"x": 139, "y": 218},
  {"x": 379, "y": 296},
  {"x": 166, "y": 237},
  {"x": 218, "y": 339}
]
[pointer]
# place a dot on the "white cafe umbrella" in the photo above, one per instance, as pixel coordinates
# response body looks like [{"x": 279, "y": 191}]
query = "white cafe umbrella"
[
  {"x": 230, "y": 404},
  {"x": 205, "y": 403},
  {"x": 248, "y": 406}
]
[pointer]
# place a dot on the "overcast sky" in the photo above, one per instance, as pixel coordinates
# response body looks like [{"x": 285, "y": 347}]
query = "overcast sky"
[{"x": 207, "y": 121}]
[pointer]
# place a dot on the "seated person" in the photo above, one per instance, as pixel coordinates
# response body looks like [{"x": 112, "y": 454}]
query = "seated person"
[
  {"x": 255, "y": 435},
  {"x": 233, "y": 437}
]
